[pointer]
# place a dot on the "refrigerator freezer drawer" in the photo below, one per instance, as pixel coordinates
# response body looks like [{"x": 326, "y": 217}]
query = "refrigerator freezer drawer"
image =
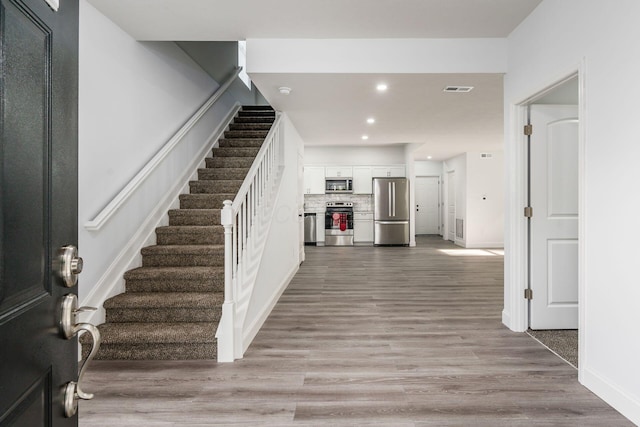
[{"x": 391, "y": 233}]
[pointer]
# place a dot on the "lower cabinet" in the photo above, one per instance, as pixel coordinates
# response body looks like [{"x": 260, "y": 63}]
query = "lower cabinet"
[{"x": 363, "y": 227}]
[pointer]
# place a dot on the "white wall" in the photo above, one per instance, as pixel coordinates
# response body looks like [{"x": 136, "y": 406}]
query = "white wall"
[
  {"x": 459, "y": 165},
  {"x": 485, "y": 201},
  {"x": 132, "y": 98},
  {"x": 353, "y": 155},
  {"x": 428, "y": 168},
  {"x": 598, "y": 39},
  {"x": 280, "y": 259},
  {"x": 376, "y": 55}
]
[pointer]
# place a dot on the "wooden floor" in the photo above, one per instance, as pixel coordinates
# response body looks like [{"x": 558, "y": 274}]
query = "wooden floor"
[{"x": 365, "y": 336}]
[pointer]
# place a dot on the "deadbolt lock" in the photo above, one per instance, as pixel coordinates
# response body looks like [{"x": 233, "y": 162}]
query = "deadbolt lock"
[{"x": 69, "y": 265}]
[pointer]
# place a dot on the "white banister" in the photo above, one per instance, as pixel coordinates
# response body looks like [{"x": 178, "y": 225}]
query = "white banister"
[
  {"x": 245, "y": 221},
  {"x": 132, "y": 186}
]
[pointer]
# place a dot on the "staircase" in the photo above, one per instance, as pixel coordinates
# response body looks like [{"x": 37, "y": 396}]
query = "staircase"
[{"x": 172, "y": 304}]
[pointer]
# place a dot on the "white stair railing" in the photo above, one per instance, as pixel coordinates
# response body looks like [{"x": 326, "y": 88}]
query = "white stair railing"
[{"x": 246, "y": 221}]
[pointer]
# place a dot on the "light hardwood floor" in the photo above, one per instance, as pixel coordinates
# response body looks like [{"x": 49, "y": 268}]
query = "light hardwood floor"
[{"x": 365, "y": 336}]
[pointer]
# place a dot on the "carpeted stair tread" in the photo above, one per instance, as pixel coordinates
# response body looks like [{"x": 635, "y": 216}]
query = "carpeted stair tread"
[
  {"x": 257, "y": 107},
  {"x": 183, "y": 255},
  {"x": 194, "y": 217},
  {"x": 158, "y": 333},
  {"x": 246, "y": 133},
  {"x": 235, "y": 151},
  {"x": 222, "y": 173},
  {"x": 229, "y": 162},
  {"x": 240, "y": 142},
  {"x": 190, "y": 300},
  {"x": 175, "y": 279},
  {"x": 190, "y": 235},
  {"x": 204, "y": 201},
  {"x": 205, "y": 186},
  {"x": 249, "y": 126}
]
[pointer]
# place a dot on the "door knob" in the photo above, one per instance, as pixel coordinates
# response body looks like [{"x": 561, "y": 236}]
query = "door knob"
[
  {"x": 69, "y": 265},
  {"x": 69, "y": 328}
]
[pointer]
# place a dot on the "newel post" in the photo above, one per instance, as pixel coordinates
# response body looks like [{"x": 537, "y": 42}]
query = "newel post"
[{"x": 226, "y": 329}]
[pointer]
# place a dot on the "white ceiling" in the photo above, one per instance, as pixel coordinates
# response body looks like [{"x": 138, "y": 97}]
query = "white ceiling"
[{"x": 330, "y": 109}]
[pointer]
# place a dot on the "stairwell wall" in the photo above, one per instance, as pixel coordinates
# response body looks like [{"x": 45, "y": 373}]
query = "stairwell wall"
[{"x": 133, "y": 97}]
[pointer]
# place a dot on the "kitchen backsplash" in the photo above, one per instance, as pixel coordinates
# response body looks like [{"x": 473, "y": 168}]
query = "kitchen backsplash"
[{"x": 318, "y": 202}]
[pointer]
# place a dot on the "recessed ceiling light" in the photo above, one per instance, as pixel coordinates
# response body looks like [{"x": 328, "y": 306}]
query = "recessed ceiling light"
[
  {"x": 365, "y": 137},
  {"x": 381, "y": 87},
  {"x": 371, "y": 120},
  {"x": 284, "y": 90},
  {"x": 429, "y": 157}
]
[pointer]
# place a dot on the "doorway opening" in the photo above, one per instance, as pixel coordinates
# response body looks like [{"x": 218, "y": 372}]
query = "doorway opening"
[{"x": 553, "y": 188}]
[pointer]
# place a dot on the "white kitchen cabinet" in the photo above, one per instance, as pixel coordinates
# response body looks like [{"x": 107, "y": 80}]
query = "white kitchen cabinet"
[
  {"x": 362, "y": 180},
  {"x": 314, "y": 180},
  {"x": 363, "y": 227},
  {"x": 394, "y": 171},
  {"x": 338, "y": 171}
]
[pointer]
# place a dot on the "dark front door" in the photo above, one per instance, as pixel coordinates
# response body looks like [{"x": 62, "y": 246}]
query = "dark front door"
[{"x": 38, "y": 206}]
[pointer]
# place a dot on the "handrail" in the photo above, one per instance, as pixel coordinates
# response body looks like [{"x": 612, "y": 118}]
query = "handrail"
[
  {"x": 110, "y": 209},
  {"x": 257, "y": 162}
]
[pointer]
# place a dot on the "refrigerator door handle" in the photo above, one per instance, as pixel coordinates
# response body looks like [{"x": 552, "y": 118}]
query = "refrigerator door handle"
[
  {"x": 394, "y": 199},
  {"x": 390, "y": 198}
]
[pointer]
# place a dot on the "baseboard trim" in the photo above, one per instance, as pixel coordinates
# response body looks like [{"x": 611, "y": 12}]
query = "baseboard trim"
[
  {"x": 254, "y": 328},
  {"x": 111, "y": 283},
  {"x": 627, "y": 405},
  {"x": 506, "y": 318}
]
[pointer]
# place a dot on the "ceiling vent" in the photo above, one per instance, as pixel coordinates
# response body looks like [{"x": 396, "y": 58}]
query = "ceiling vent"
[{"x": 458, "y": 88}]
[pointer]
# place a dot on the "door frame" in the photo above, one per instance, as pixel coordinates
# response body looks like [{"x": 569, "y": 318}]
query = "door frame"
[
  {"x": 439, "y": 199},
  {"x": 517, "y": 249}
]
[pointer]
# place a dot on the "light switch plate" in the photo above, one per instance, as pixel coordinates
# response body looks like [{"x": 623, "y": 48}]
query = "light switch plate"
[{"x": 53, "y": 4}]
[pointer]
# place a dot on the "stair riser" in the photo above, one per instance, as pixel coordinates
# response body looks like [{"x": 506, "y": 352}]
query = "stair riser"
[
  {"x": 250, "y": 126},
  {"x": 211, "y": 285},
  {"x": 162, "y": 260},
  {"x": 204, "y": 201},
  {"x": 245, "y": 134},
  {"x": 161, "y": 314},
  {"x": 241, "y": 143},
  {"x": 193, "y": 217},
  {"x": 229, "y": 162},
  {"x": 254, "y": 119},
  {"x": 257, "y": 113},
  {"x": 214, "y": 187},
  {"x": 185, "y": 238},
  {"x": 235, "y": 152},
  {"x": 223, "y": 173}
]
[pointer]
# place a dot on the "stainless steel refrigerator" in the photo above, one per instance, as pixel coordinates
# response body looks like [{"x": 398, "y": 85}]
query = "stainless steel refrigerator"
[{"x": 391, "y": 211}]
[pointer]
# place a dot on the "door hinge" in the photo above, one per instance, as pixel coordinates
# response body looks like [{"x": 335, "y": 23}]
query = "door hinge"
[
  {"x": 528, "y": 130},
  {"x": 528, "y": 212},
  {"x": 528, "y": 294}
]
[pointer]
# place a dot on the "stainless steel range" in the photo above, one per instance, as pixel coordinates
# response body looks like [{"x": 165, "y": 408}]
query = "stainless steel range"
[{"x": 338, "y": 224}]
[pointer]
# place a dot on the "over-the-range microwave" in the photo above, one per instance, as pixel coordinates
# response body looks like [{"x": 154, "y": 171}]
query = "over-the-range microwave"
[{"x": 338, "y": 185}]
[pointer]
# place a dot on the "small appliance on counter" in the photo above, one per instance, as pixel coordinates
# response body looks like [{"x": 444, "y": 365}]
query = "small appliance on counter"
[
  {"x": 390, "y": 211},
  {"x": 338, "y": 224}
]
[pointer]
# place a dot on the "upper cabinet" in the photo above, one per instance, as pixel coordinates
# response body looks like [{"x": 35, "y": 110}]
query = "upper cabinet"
[
  {"x": 362, "y": 180},
  {"x": 388, "y": 171},
  {"x": 339, "y": 172},
  {"x": 314, "y": 179}
]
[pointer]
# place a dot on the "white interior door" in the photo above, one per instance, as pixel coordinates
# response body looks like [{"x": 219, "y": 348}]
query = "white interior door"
[
  {"x": 554, "y": 225},
  {"x": 427, "y": 217},
  {"x": 451, "y": 205}
]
